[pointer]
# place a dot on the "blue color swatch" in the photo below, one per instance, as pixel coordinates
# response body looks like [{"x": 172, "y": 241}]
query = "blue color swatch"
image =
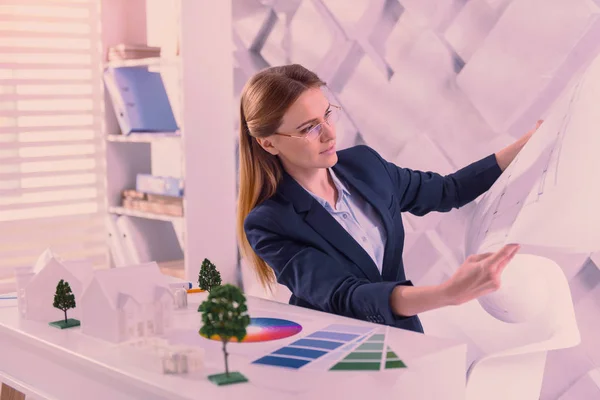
[
  {"x": 282, "y": 361},
  {"x": 361, "y": 330},
  {"x": 298, "y": 352},
  {"x": 318, "y": 344},
  {"x": 333, "y": 336}
]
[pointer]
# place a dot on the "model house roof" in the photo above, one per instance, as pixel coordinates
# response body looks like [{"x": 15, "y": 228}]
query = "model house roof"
[
  {"x": 48, "y": 263},
  {"x": 82, "y": 269},
  {"x": 44, "y": 259},
  {"x": 144, "y": 283}
]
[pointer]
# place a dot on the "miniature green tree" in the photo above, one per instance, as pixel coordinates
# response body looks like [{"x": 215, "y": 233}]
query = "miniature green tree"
[
  {"x": 64, "y": 300},
  {"x": 209, "y": 277},
  {"x": 224, "y": 314}
]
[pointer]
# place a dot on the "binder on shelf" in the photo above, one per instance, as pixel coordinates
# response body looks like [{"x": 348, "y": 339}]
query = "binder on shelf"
[
  {"x": 133, "y": 241},
  {"x": 146, "y": 240},
  {"x": 140, "y": 100},
  {"x": 116, "y": 244}
]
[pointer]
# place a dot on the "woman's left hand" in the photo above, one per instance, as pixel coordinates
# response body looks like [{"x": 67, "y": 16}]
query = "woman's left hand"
[
  {"x": 530, "y": 133},
  {"x": 507, "y": 154}
]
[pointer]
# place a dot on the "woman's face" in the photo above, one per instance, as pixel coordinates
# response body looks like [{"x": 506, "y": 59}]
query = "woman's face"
[{"x": 306, "y": 137}]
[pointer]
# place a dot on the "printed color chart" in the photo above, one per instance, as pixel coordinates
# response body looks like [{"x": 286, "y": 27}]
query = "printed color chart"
[
  {"x": 347, "y": 347},
  {"x": 369, "y": 356}
]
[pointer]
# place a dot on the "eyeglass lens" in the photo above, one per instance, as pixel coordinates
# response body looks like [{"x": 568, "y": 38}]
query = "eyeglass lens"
[{"x": 330, "y": 118}]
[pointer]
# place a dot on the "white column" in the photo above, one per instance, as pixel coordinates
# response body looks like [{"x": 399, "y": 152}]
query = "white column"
[{"x": 208, "y": 137}]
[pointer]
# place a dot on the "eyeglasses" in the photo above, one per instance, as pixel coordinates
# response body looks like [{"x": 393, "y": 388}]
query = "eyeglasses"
[{"x": 311, "y": 132}]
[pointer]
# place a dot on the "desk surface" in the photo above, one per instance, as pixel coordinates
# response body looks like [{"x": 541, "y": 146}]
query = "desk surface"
[{"x": 50, "y": 363}]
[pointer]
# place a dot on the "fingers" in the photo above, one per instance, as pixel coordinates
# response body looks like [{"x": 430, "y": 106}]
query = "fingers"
[
  {"x": 504, "y": 262},
  {"x": 479, "y": 257},
  {"x": 501, "y": 254},
  {"x": 499, "y": 264}
]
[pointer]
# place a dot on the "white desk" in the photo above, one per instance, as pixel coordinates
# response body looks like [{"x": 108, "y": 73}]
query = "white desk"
[{"x": 48, "y": 363}]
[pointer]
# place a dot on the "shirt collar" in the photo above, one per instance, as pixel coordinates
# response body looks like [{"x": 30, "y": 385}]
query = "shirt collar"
[{"x": 339, "y": 185}]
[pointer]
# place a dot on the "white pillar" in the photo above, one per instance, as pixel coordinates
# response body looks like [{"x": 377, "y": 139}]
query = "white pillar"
[{"x": 208, "y": 136}]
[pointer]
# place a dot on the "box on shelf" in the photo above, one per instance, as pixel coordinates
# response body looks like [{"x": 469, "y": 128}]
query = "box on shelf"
[
  {"x": 132, "y": 51},
  {"x": 175, "y": 268},
  {"x": 156, "y": 204},
  {"x": 160, "y": 185}
]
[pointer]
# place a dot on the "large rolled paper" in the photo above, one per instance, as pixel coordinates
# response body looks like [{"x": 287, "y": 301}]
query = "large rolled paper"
[
  {"x": 546, "y": 198},
  {"x": 524, "y": 294},
  {"x": 515, "y": 353},
  {"x": 548, "y": 195}
]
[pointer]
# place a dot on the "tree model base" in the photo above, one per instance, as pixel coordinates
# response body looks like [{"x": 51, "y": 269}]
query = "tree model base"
[
  {"x": 223, "y": 379},
  {"x": 70, "y": 323}
]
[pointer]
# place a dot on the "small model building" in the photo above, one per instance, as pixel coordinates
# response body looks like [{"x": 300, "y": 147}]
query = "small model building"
[
  {"x": 159, "y": 356},
  {"x": 126, "y": 303},
  {"x": 36, "y": 286}
]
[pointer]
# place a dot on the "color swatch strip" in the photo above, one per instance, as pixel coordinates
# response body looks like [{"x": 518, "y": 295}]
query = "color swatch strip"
[
  {"x": 314, "y": 346},
  {"x": 369, "y": 357},
  {"x": 393, "y": 361}
]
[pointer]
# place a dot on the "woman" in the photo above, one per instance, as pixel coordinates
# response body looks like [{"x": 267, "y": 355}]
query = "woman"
[{"x": 327, "y": 224}]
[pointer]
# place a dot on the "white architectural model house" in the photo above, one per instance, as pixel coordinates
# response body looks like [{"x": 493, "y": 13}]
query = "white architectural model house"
[
  {"x": 36, "y": 286},
  {"x": 127, "y": 303}
]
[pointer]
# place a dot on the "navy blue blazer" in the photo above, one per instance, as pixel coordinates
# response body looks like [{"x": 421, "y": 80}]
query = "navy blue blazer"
[{"x": 323, "y": 266}]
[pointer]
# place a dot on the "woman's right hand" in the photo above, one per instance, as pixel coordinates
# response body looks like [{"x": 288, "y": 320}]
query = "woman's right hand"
[{"x": 479, "y": 275}]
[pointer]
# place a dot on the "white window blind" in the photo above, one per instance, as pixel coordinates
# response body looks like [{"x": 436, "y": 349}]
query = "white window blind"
[{"x": 51, "y": 149}]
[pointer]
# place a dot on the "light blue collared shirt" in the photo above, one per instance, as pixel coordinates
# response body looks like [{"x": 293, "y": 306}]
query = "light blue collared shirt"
[{"x": 359, "y": 219}]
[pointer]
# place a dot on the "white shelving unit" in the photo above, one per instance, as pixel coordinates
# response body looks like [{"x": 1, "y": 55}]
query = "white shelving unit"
[
  {"x": 151, "y": 62},
  {"x": 142, "y": 214},
  {"x": 199, "y": 81},
  {"x": 144, "y": 137}
]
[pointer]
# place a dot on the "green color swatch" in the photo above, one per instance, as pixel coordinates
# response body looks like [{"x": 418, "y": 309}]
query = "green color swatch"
[
  {"x": 370, "y": 346},
  {"x": 369, "y": 357},
  {"x": 363, "y": 356},
  {"x": 377, "y": 338},
  {"x": 392, "y": 360},
  {"x": 394, "y": 364},
  {"x": 356, "y": 366}
]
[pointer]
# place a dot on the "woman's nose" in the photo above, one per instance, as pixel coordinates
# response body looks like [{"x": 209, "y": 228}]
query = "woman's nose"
[{"x": 327, "y": 132}]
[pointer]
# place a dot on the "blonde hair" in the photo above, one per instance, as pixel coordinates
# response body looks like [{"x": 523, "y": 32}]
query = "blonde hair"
[{"x": 264, "y": 100}]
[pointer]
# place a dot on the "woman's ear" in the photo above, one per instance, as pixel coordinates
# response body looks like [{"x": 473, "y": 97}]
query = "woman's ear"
[{"x": 267, "y": 145}]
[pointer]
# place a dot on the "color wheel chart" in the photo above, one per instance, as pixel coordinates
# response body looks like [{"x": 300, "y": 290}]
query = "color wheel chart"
[
  {"x": 266, "y": 329},
  {"x": 337, "y": 348}
]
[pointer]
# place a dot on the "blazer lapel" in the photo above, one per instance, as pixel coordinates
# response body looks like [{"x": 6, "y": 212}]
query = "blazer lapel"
[
  {"x": 326, "y": 226},
  {"x": 382, "y": 209}
]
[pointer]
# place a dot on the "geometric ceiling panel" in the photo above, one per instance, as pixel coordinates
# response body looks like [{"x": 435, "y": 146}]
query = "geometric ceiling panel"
[
  {"x": 470, "y": 27},
  {"x": 523, "y": 73}
]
